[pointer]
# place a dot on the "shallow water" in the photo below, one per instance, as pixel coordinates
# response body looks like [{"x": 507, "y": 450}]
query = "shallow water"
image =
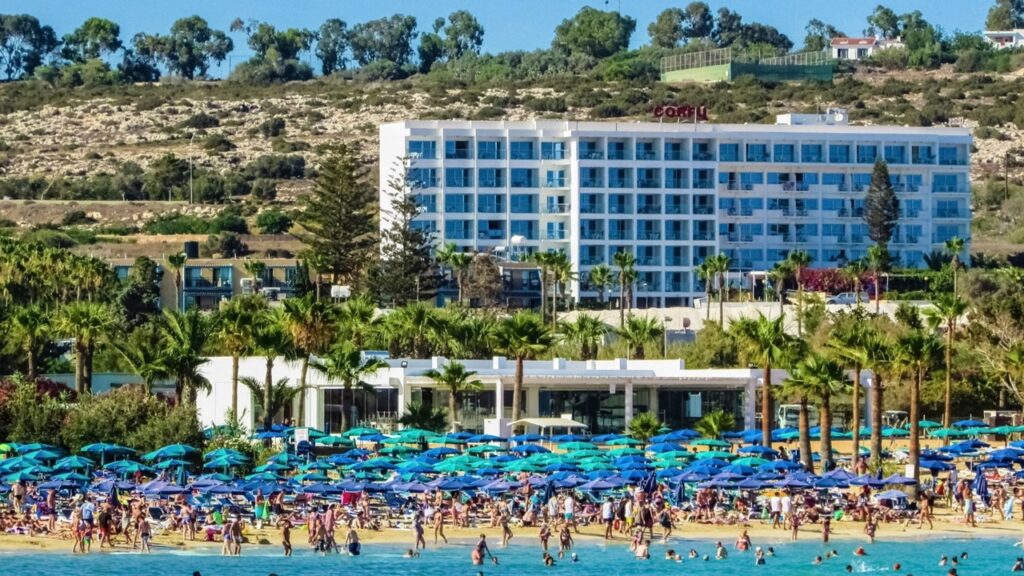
[{"x": 918, "y": 557}]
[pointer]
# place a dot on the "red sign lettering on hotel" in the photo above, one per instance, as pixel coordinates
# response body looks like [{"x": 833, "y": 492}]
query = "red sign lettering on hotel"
[{"x": 681, "y": 111}]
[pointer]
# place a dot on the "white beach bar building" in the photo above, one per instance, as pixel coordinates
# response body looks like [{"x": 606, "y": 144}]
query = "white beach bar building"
[
  {"x": 604, "y": 395},
  {"x": 673, "y": 194}
]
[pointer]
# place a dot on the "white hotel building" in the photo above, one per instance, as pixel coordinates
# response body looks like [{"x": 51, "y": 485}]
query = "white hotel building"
[{"x": 675, "y": 193}]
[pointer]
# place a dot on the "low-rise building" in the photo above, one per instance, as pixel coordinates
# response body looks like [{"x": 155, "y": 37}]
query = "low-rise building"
[
  {"x": 1005, "y": 39},
  {"x": 857, "y": 49}
]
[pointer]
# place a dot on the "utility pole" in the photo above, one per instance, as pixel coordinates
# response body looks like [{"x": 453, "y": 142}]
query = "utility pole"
[
  {"x": 191, "y": 140},
  {"x": 1006, "y": 176}
]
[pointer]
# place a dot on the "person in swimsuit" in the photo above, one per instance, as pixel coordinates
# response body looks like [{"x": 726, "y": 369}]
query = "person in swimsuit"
[
  {"x": 227, "y": 548},
  {"x": 352, "y": 542},
  {"x": 145, "y": 533},
  {"x": 417, "y": 525},
  {"x": 565, "y": 541},
  {"x": 76, "y": 529},
  {"x": 545, "y": 535},
  {"x": 477, "y": 555},
  {"x": 286, "y": 536},
  {"x": 439, "y": 525},
  {"x": 506, "y": 532},
  {"x": 743, "y": 542}
]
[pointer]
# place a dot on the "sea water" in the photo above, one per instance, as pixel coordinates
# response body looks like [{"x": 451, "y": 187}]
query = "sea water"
[{"x": 917, "y": 557}]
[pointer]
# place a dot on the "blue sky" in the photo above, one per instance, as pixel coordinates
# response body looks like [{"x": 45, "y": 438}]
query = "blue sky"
[{"x": 508, "y": 24}]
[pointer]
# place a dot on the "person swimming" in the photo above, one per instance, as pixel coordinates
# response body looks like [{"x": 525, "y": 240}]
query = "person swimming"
[
  {"x": 693, "y": 554},
  {"x": 816, "y": 561},
  {"x": 720, "y": 552},
  {"x": 896, "y": 567},
  {"x": 860, "y": 551},
  {"x": 771, "y": 552},
  {"x": 759, "y": 557},
  {"x": 943, "y": 561},
  {"x": 1018, "y": 566}
]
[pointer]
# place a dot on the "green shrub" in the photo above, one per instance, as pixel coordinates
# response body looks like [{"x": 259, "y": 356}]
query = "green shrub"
[
  {"x": 229, "y": 220},
  {"x": 227, "y": 244},
  {"x": 273, "y": 221},
  {"x": 49, "y": 238},
  {"x": 218, "y": 143},
  {"x": 282, "y": 146},
  {"x": 200, "y": 121},
  {"x": 76, "y": 217},
  {"x": 607, "y": 110},
  {"x": 277, "y": 166},
  {"x": 264, "y": 189},
  {"x": 176, "y": 224},
  {"x": 272, "y": 127}
]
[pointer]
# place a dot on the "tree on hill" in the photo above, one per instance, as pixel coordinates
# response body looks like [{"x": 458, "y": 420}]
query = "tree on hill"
[
  {"x": 698, "y": 21},
  {"x": 883, "y": 22},
  {"x": 93, "y": 39},
  {"x": 819, "y": 34},
  {"x": 188, "y": 50},
  {"x": 339, "y": 221},
  {"x": 24, "y": 44},
  {"x": 431, "y": 48},
  {"x": 881, "y": 206},
  {"x": 667, "y": 29},
  {"x": 594, "y": 33},
  {"x": 1005, "y": 15},
  {"x": 463, "y": 35},
  {"x": 383, "y": 39},
  {"x": 331, "y": 45}
]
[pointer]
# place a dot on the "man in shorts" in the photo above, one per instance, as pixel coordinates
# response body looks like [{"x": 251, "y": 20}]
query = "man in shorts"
[{"x": 608, "y": 517}]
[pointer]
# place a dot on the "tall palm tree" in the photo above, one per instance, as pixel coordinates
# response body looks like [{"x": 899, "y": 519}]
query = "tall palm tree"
[
  {"x": 880, "y": 355},
  {"x": 601, "y": 277},
  {"x": 706, "y": 273},
  {"x": 521, "y": 336},
  {"x": 799, "y": 260},
  {"x": 412, "y": 330},
  {"x": 766, "y": 344},
  {"x": 233, "y": 328},
  {"x": 819, "y": 378},
  {"x": 456, "y": 261},
  {"x": 877, "y": 261},
  {"x": 561, "y": 275},
  {"x": 456, "y": 380},
  {"x": 587, "y": 332},
  {"x": 944, "y": 314},
  {"x": 626, "y": 262},
  {"x": 643, "y": 426},
  {"x": 86, "y": 323},
  {"x": 270, "y": 339},
  {"x": 782, "y": 271},
  {"x": 311, "y": 327},
  {"x": 853, "y": 272},
  {"x": 848, "y": 347},
  {"x": 917, "y": 352},
  {"x": 638, "y": 332},
  {"x": 256, "y": 269},
  {"x": 144, "y": 354},
  {"x": 31, "y": 325},
  {"x": 715, "y": 423},
  {"x": 184, "y": 337},
  {"x": 955, "y": 247},
  {"x": 720, "y": 266},
  {"x": 177, "y": 263},
  {"x": 543, "y": 261},
  {"x": 346, "y": 364},
  {"x": 357, "y": 320}
]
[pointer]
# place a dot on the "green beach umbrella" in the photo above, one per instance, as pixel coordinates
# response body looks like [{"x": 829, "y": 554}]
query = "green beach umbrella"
[
  {"x": 597, "y": 465},
  {"x": 752, "y": 461},
  {"x": 1001, "y": 430},
  {"x": 359, "y": 432},
  {"x": 627, "y": 451},
  {"x": 571, "y": 446},
  {"x": 417, "y": 434},
  {"x": 711, "y": 442},
  {"x": 715, "y": 454},
  {"x": 586, "y": 453},
  {"x": 673, "y": 455},
  {"x": 625, "y": 441},
  {"x": 392, "y": 450},
  {"x": 4, "y": 448},
  {"x": 334, "y": 441},
  {"x": 170, "y": 463},
  {"x": 949, "y": 433},
  {"x": 311, "y": 477},
  {"x": 448, "y": 440},
  {"x": 523, "y": 466},
  {"x": 22, "y": 476},
  {"x": 484, "y": 449},
  {"x": 929, "y": 424}
]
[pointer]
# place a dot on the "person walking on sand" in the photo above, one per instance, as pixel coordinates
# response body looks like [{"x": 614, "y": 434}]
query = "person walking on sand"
[
  {"x": 439, "y": 525},
  {"x": 608, "y": 517}
]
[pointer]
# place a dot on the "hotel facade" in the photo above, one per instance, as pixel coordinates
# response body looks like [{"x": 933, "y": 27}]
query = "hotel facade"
[{"x": 674, "y": 193}]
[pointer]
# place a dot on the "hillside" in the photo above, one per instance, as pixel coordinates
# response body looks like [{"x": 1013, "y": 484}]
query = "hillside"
[{"x": 52, "y": 136}]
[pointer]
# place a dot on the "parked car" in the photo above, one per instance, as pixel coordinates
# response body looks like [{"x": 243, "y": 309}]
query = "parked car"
[{"x": 847, "y": 298}]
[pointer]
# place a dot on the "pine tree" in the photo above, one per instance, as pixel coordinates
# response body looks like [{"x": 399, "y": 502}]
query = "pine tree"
[
  {"x": 881, "y": 207},
  {"x": 406, "y": 271},
  {"x": 339, "y": 220}
]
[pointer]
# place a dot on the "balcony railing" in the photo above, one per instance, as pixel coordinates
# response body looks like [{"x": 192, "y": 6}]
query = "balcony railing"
[
  {"x": 619, "y": 209},
  {"x": 648, "y": 183},
  {"x": 675, "y": 235},
  {"x": 524, "y": 183},
  {"x": 949, "y": 214},
  {"x": 703, "y": 156},
  {"x": 674, "y": 209},
  {"x": 555, "y": 183},
  {"x": 620, "y": 235},
  {"x": 953, "y": 161},
  {"x": 618, "y": 183},
  {"x": 648, "y": 236},
  {"x": 759, "y": 158},
  {"x": 592, "y": 234},
  {"x": 646, "y": 155},
  {"x": 590, "y": 154},
  {"x": 556, "y": 208},
  {"x": 703, "y": 236},
  {"x": 703, "y": 210},
  {"x": 648, "y": 209},
  {"x": 556, "y": 235},
  {"x": 591, "y": 183},
  {"x": 678, "y": 183},
  {"x": 947, "y": 188},
  {"x": 674, "y": 155},
  {"x": 923, "y": 159},
  {"x": 703, "y": 184},
  {"x": 618, "y": 155},
  {"x": 553, "y": 155},
  {"x": 591, "y": 209}
]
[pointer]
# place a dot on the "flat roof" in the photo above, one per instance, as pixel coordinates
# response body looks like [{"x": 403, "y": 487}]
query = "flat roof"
[{"x": 573, "y": 128}]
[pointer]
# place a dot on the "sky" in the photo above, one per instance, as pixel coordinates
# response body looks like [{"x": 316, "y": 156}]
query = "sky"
[{"x": 508, "y": 24}]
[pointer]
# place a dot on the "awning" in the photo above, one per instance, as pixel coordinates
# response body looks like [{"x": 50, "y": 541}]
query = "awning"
[{"x": 550, "y": 423}]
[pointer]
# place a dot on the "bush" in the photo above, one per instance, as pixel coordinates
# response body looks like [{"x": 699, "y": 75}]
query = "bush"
[
  {"x": 218, "y": 143},
  {"x": 891, "y": 58},
  {"x": 282, "y": 146},
  {"x": 607, "y": 110},
  {"x": 76, "y": 217},
  {"x": 229, "y": 220},
  {"x": 200, "y": 121},
  {"x": 380, "y": 70},
  {"x": 273, "y": 127},
  {"x": 176, "y": 224},
  {"x": 227, "y": 244},
  {"x": 49, "y": 238},
  {"x": 115, "y": 417},
  {"x": 277, "y": 167},
  {"x": 273, "y": 221},
  {"x": 264, "y": 189},
  {"x": 32, "y": 411}
]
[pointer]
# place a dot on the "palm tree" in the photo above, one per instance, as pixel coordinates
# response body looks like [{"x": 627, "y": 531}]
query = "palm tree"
[
  {"x": 587, "y": 332},
  {"x": 144, "y": 355},
  {"x": 412, "y": 330},
  {"x": 853, "y": 272},
  {"x": 847, "y": 346},
  {"x": 637, "y": 333},
  {"x": 256, "y": 269},
  {"x": 917, "y": 352},
  {"x": 521, "y": 336},
  {"x": 793, "y": 386},
  {"x": 955, "y": 247},
  {"x": 543, "y": 260},
  {"x": 184, "y": 337},
  {"x": 310, "y": 325},
  {"x": 346, "y": 364},
  {"x": 424, "y": 417},
  {"x": 706, "y": 273},
  {"x": 799, "y": 260},
  {"x": 357, "y": 321},
  {"x": 457, "y": 381},
  {"x": 626, "y": 263},
  {"x": 270, "y": 339},
  {"x": 561, "y": 275},
  {"x": 720, "y": 267},
  {"x": 177, "y": 262},
  {"x": 879, "y": 353},
  {"x": 457, "y": 262},
  {"x": 281, "y": 396},
  {"x": 86, "y": 323},
  {"x": 877, "y": 261},
  {"x": 945, "y": 312},
  {"x": 233, "y": 328},
  {"x": 820, "y": 378},
  {"x": 31, "y": 325},
  {"x": 767, "y": 345},
  {"x": 601, "y": 277},
  {"x": 782, "y": 271},
  {"x": 643, "y": 426},
  {"x": 715, "y": 423}
]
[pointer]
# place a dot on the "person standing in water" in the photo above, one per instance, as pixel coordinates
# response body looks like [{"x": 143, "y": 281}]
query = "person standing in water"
[
  {"x": 352, "y": 544},
  {"x": 477, "y": 555},
  {"x": 286, "y": 536},
  {"x": 439, "y": 525},
  {"x": 417, "y": 525}
]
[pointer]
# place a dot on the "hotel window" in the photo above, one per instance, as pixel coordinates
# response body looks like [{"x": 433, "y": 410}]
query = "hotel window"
[
  {"x": 839, "y": 153},
  {"x": 945, "y": 183},
  {"x": 757, "y": 153},
  {"x": 703, "y": 152},
  {"x": 729, "y": 152},
  {"x": 555, "y": 179},
  {"x": 458, "y": 229},
  {"x": 617, "y": 150},
  {"x": 525, "y": 228},
  {"x": 458, "y": 203},
  {"x": 423, "y": 177},
  {"x": 523, "y": 204},
  {"x": 811, "y": 153},
  {"x": 552, "y": 150},
  {"x": 428, "y": 202},
  {"x": 591, "y": 178},
  {"x": 458, "y": 178},
  {"x": 426, "y": 149},
  {"x": 521, "y": 150},
  {"x": 457, "y": 150},
  {"x": 524, "y": 178},
  {"x": 490, "y": 203},
  {"x": 896, "y": 154},
  {"x": 674, "y": 151},
  {"x": 490, "y": 150},
  {"x": 784, "y": 152},
  {"x": 491, "y": 178},
  {"x": 867, "y": 153}
]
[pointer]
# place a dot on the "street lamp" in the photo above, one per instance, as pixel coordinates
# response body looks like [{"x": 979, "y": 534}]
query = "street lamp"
[
  {"x": 664, "y": 336},
  {"x": 191, "y": 140}
]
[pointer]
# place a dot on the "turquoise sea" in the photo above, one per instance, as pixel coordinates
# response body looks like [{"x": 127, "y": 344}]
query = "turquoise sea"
[{"x": 918, "y": 557}]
